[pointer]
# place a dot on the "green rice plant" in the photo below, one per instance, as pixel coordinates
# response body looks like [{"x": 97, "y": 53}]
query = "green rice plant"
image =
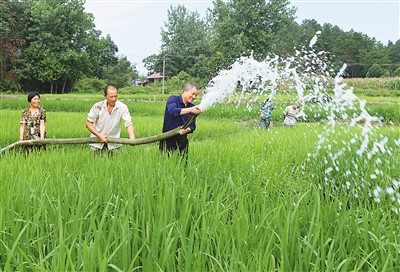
[{"x": 246, "y": 200}]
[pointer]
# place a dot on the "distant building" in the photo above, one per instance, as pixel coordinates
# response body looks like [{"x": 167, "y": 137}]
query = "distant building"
[
  {"x": 152, "y": 78},
  {"x": 140, "y": 82}
]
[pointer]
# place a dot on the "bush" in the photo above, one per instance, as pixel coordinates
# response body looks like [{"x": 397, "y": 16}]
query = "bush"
[
  {"x": 89, "y": 85},
  {"x": 7, "y": 87},
  {"x": 376, "y": 71},
  {"x": 177, "y": 82},
  {"x": 396, "y": 72}
]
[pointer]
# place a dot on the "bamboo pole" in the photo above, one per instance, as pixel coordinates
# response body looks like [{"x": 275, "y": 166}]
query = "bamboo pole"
[{"x": 92, "y": 140}]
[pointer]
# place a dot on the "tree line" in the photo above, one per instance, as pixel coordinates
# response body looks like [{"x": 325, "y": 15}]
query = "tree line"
[
  {"x": 50, "y": 45},
  {"x": 202, "y": 46}
]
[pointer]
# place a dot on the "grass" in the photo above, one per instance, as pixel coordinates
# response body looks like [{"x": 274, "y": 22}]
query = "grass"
[{"x": 247, "y": 200}]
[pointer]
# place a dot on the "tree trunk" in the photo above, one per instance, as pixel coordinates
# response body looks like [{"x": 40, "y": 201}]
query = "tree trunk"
[{"x": 63, "y": 88}]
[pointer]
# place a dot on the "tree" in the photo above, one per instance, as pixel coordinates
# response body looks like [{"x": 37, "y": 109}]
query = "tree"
[
  {"x": 121, "y": 73},
  {"x": 184, "y": 39},
  {"x": 376, "y": 71},
  {"x": 393, "y": 51},
  {"x": 244, "y": 27},
  {"x": 348, "y": 48},
  {"x": 153, "y": 63},
  {"x": 106, "y": 55},
  {"x": 59, "y": 39},
  {"x": 11, "y": 40}
]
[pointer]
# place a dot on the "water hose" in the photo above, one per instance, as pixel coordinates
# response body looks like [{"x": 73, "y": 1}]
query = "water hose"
[{"x": 92, "y": 140}]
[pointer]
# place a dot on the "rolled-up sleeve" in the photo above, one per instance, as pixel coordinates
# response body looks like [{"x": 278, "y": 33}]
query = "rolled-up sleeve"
[
  {"x": 126, "y": 116},
  {"x": 93, "y": 114}
]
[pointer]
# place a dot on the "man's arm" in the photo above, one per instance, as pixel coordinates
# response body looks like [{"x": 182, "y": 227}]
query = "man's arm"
[
  {"x": 131, "y": 132},
  {"x": 92, "y": 129},
  {"x": 195, "y": 110}
]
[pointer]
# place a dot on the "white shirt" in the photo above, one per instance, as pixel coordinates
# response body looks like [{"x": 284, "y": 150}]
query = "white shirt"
[
  {"x": 290, "y": 116},
  {"x": 109, "y": 124}
]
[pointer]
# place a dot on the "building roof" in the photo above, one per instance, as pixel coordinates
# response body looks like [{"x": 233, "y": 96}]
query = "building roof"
[{"x": 154, "y": 76}]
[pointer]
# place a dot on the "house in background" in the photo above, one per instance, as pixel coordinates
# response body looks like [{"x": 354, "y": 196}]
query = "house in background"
[
  {"x": 140, "y": 82},
  {"x": 154, "y": 77}
]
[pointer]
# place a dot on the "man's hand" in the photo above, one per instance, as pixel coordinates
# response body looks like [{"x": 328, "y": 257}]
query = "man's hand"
[
  {"x": 184, "y": 131},
  {"x": 102, "y": 138},
  {"x": 195, "y": 110}
]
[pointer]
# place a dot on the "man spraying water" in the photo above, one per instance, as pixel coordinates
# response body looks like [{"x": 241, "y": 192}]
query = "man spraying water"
[{"x": 177, "y": 112}]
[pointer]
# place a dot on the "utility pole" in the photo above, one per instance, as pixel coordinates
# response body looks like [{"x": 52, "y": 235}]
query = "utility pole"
[{"x": 163, "y": 74}]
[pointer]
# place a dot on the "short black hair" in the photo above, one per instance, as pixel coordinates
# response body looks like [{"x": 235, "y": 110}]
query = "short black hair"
[{"x": 107, "y": 86}]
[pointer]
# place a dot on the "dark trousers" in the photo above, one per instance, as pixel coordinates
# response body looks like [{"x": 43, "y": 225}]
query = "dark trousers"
[{"x": 180, "y": 144}]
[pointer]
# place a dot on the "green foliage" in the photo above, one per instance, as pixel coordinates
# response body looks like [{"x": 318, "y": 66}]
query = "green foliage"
[
  {"x": 376, "y": 71},
  {"x": 57, "y": 43},
  {"x": 247, "y": 27},
  {"x": 58, "y": 38},
  {"x": 60, "y": 46},
  {"x": 8, "y": 86},
  {"x": 121, "y": 73},
  {"x": 185, "y": 41},
  {"x": 391, "y": 83},
  {"x": 177, "y": 82},
  {"x": 89, "y": 85},
  {"x": 396, "y": 73}
]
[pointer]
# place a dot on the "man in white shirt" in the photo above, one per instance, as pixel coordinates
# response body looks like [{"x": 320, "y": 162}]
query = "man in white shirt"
[{"x": 104, "y": 119}]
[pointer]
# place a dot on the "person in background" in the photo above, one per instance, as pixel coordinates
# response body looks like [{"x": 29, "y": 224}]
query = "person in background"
[
  {"x": 104, "y": 120},
  {"x": 33, "y": 121},
  {"x": 177, "y": 111},
  {"x": 266, "y": 113},
  {"x": 290, "y": 114}
]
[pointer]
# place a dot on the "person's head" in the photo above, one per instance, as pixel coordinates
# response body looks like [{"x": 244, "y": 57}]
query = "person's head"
[
  {"x": 296, "y": 105},
  {"x": 111, "y": 94},
  {"x": 190, "y": 92},
  {"x": 34, "y": 99}
]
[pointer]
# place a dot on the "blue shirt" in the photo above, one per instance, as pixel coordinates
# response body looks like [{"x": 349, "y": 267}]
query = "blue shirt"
[{"x": 172, "y": 115}]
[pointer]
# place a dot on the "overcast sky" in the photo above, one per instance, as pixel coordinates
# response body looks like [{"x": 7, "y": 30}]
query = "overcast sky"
[{"x": 135, "y": 25}]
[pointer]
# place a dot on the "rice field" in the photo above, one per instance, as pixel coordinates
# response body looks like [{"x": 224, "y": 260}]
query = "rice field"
[{"x": 246, "y": 200}]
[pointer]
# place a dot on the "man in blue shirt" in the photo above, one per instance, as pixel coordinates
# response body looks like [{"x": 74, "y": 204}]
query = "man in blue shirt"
[{"x": 177, "y": 112}]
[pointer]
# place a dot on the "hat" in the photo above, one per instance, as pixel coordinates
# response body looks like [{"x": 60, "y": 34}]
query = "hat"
[{"x": 32, "y": 95}]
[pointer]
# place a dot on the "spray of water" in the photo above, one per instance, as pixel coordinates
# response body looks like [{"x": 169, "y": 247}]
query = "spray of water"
[{"x": 346, "y": 164}]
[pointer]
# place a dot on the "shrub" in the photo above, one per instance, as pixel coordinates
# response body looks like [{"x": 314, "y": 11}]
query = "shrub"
[
  {"x": 396, "y": 72},
  {"x": 10, "y": 87},
  {"x": 89, "y": 85},
  {"x": 375, "y": 71}
]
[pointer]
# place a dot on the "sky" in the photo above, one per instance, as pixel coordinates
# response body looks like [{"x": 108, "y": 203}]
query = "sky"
[{"x": 135, "y": 25}]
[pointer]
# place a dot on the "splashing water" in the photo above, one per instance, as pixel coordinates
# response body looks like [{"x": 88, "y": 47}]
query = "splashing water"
[{"x": 346, "y": 165}]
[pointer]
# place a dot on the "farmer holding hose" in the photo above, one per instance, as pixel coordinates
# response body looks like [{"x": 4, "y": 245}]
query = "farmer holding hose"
[
  {"x": 177, "y": 111},
  {"x": 104, "y": 120}
]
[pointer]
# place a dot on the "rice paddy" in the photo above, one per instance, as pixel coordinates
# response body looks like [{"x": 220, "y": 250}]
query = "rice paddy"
[{"x": 247, "y": 199}]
